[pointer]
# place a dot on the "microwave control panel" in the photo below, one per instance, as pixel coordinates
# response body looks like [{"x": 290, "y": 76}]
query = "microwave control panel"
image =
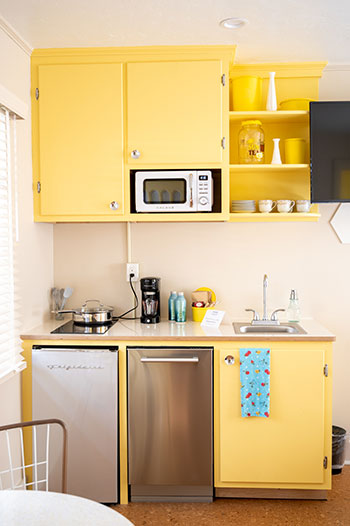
[{"x": 204, "y": 191}]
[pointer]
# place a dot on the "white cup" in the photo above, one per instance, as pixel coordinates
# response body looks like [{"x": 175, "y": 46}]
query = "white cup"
[
  {"x": 285, "y": 205},
  {"x": 266, "y": 205},
  {"x": 303, "y": 205}
]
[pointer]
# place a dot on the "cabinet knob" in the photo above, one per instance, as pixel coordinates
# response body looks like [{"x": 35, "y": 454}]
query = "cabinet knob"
[
  {"x": 229, "y": 360},
  {"x": 114, "y": 205},
  {"x": 135, "y": 154}
]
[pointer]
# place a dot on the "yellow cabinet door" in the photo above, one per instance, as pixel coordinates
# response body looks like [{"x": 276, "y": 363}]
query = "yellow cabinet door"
[
  {"x": 80, "y": 139},
  {"x": 289, "y": 446},
  {"x": 175, "y": 112}
]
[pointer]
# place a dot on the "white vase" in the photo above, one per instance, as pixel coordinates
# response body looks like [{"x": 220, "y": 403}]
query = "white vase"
[
  {"x": 271, "y": 102},
  {"x": 276, "y": 156}
]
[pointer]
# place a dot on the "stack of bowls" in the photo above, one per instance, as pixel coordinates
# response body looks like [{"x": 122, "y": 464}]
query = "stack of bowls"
[{"x": 243, "y": 206}]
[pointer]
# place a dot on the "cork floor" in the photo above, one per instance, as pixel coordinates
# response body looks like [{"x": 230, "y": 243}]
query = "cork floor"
[{"x": 248, "y": 512}]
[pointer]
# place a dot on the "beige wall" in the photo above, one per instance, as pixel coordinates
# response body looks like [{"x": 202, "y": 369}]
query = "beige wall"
[
  {"x": 230, "y": 258},
  {"x": 34, "y": 252}
]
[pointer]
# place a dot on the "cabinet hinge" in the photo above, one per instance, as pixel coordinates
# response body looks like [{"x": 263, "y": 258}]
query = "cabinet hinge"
[
  {"x": 325, "y": 370},
  {"x": 223, "y": 143},
  {"x": 38, "y": 187},
  {"x": 325, "y": 462},
  {"x": 223, "y": 79},
  {"x": 36, "y": 93}
]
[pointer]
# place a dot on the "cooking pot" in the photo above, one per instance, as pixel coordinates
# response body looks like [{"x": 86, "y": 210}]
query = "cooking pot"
[{"x": 91, "y": 315}]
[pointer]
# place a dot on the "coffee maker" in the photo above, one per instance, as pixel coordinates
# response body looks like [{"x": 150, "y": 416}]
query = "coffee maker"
[{"x": 150, "y": 292}]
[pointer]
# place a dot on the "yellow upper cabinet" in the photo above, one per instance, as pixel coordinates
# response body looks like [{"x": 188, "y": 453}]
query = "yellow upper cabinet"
[
  {"x": 104, "y": 112},
  {"x": 175, "y": 112},
  {"x": 92, "y": 107},
  {"x": 80, "y": 140}
]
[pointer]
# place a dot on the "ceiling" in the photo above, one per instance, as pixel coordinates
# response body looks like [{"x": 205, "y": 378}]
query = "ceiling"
[{"x": 278, "y": 30}]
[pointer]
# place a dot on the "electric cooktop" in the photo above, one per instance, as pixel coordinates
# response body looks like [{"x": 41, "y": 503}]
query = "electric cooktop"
[{"x": 73, "y": 328}]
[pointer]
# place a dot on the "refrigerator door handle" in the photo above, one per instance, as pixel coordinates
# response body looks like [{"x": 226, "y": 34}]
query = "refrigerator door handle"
[{"x": 146, "y": 359}]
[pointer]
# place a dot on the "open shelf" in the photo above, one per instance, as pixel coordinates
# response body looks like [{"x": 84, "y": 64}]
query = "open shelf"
[
  {"x": 274, "y": 217},
  {"x": 270, "y": 116},
  {"x": 269, "y": 167},
  {"x": 273, "y": 181}
]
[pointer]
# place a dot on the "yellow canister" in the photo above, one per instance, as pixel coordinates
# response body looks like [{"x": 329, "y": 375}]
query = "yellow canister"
[
  {"x": 294, "y": 151},
  {"x": 247, "y": 93}
]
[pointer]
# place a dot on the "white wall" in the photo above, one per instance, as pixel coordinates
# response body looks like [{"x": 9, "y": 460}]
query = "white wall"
[
  {"x": 34, "y": 253},
  {"x": 335, "y": 85},
  {"x": 230, "y": 258}
]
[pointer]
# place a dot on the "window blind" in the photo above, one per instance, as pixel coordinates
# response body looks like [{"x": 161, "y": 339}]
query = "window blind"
[{"x": 11, "y": 360}]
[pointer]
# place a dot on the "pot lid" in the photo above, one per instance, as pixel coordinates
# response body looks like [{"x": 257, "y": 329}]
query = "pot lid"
[{"x": 89, "y": 308}]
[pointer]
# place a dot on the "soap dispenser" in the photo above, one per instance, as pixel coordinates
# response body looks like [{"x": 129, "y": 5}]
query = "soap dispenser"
[{"x": 293, "y": 311}]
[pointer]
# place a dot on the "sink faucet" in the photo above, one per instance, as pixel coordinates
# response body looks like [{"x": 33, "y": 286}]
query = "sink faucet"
[
  {"x": 265, "y": 283},
  {"x": 265, "y": 320}
]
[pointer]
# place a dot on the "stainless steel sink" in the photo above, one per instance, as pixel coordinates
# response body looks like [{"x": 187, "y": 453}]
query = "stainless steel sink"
[{"x": 285, "y": 328}]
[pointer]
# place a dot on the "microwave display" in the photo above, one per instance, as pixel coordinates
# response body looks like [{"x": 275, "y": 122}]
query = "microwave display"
[{"x": 164, "y": 191}]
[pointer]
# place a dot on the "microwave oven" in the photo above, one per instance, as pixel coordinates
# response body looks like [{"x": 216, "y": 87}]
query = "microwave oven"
[{"x": 174, "y": 191}]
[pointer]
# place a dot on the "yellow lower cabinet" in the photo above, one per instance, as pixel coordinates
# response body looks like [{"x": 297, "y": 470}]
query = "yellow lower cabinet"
[{"x": 287, "y": 449}]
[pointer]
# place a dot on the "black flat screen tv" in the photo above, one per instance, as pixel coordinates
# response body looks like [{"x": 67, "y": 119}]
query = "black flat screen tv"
[{"x": 330, "y": 151}]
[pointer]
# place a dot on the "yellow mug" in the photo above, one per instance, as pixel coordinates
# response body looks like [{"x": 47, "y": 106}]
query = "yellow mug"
[{"x": 294, "y": 151}]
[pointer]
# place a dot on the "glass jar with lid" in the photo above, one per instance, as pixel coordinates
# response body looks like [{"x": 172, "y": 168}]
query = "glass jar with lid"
[{"x": 251, "y": 143}]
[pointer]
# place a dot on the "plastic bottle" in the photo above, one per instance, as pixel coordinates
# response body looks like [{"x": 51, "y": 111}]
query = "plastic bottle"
[
  {"x": 171, "y": 305},
  {"x": 293, "y": 311},
  {"x": 180, "y": 308}
]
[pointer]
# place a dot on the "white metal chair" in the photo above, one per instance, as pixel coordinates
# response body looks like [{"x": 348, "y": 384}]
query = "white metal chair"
[{"x": 13, "y": 434}]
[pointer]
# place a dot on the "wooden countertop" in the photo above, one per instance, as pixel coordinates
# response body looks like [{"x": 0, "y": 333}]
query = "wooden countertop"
[{"x": 189, "y": 331}]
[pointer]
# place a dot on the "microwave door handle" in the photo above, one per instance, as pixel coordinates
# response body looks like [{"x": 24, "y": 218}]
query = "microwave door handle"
[{"x": 190, "y": 183}]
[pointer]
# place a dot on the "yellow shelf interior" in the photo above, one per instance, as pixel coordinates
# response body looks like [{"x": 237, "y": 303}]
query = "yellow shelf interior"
[
  {"x": 268, "y": 181},
  {"x": 278, "y": 116},
  {"x": 313, "y": 215},
  {"x": 269, "y": 167}
]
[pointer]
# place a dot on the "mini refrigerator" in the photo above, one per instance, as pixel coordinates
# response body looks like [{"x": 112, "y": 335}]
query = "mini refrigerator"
[{"x": 79, "y": 385}]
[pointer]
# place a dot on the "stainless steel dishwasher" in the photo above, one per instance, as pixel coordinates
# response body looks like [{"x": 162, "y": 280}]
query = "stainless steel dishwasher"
[
  {"x": 79, "y": 385},
  {"x": 170, "y": 425}
]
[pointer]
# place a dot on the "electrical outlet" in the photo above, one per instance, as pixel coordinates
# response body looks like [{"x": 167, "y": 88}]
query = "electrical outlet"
[{"x": 132, "y": 268}]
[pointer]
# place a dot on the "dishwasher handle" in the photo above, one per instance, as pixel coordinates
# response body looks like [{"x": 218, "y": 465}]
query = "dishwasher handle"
[{"x": 146, "y": 359}]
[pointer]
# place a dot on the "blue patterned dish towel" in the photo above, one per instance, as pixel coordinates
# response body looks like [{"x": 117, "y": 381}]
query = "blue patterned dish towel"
[{"x": 255, "y": 382}]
